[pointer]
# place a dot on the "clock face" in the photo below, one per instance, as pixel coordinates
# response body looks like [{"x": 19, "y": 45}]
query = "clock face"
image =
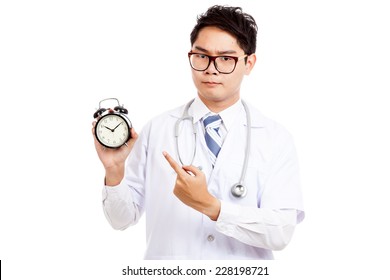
[{"x": 112, "y": 131}]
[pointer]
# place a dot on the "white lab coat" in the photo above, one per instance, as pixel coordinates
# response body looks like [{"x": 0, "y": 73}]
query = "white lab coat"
[{"x": 247, "y": 228}]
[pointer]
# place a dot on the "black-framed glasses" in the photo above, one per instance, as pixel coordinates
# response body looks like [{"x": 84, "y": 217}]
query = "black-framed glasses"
[{"x": 224, "y": 64}]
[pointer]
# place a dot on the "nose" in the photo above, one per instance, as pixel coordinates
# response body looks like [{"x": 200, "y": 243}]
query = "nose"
[{"x": 212, "y": 69}]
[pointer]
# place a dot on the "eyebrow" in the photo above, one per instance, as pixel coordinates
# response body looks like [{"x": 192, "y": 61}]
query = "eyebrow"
[{"x": 219, "y": 52}]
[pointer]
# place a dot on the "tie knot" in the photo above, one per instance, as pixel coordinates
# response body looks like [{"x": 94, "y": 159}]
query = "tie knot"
[{"x": 212, "y": 121}]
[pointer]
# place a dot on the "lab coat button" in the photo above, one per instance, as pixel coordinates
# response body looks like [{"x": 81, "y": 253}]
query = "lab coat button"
[
  {"x": 210, "y": 238},
  {"x": 200, "y": 167}
]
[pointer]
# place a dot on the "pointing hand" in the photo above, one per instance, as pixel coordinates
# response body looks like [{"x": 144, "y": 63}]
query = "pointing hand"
[{"x": 191, "y": 189}]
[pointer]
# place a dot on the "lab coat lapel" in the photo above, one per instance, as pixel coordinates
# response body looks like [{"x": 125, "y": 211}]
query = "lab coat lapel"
[
  {"x": 228, "y": 145},
  {"x": 235, "y": 141}
]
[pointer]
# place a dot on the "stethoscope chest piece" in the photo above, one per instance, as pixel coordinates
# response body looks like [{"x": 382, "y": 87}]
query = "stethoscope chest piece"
[{"x": 238, "y": 190}]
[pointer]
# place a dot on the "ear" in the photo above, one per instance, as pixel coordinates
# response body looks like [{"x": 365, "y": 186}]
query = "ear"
[{"x": 250, "y": 63}]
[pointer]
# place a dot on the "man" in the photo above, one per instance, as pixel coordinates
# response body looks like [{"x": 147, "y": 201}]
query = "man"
[{"x": 191, "y": 210}]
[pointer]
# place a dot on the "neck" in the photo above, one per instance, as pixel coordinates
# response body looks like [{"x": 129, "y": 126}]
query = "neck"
[{"x": 217, "y": 106}]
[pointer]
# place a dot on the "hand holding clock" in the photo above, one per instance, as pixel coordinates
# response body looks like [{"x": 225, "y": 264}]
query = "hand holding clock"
[
  {"x": 114, "y": 159},
  {"x": 113, "y": 145}
]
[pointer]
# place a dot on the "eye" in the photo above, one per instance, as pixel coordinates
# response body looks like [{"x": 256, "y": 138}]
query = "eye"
[
  {"x": 226, "y": 58},
  {"x": 201, "y": 56}
]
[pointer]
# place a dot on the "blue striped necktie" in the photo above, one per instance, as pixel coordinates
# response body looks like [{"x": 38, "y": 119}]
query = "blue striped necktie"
[{"x": 213, "y": 139}]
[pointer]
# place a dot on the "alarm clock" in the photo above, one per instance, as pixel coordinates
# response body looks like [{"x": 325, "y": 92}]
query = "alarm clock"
[{"x": 112, "y": 128}]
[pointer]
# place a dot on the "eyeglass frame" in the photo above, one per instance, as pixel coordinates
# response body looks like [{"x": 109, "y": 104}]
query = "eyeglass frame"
[{"x": 212, "y": 58}]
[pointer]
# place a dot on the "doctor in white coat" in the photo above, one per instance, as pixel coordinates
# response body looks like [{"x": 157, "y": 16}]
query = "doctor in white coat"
[{"x": 184, "y": 188}]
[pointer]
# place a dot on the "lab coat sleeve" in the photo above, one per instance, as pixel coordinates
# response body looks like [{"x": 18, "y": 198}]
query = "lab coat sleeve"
[
  {"x": 271, "y": 224},
  {"x": 123, "y": 204},
  {"x": 259, "y": 227},
  {"x": 119, "y": 207},
  {"x": 281, "y": 180}
]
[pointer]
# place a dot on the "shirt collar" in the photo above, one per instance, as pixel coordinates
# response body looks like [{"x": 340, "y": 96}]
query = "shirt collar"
[{"x": 199, "y": 110}]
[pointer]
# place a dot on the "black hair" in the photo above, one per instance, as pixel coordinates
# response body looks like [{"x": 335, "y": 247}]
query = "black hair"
[{"x": 232, "y": 20}]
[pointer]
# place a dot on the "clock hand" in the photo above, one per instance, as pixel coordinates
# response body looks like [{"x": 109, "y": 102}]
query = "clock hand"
[
  {"x": 117, "y": 126},
  {"x": 112, "y": 130}
]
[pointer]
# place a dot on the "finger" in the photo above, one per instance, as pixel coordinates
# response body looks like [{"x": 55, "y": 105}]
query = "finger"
[
  {"x": 93, "y": 127},
  {"x": 194, "y": 170},
  {"x": 175, "y": 166},
  {"x": 132, "y": 139},
  {"x": 133, "y": 134},
  {"x": 98, "y": 146}
]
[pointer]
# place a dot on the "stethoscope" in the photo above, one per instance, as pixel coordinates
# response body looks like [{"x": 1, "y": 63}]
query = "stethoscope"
[{"x": 238, "y": 190}]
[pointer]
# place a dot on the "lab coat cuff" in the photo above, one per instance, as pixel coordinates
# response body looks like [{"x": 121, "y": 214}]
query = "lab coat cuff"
[
  {"x": 114, "y": 191},
  {"x": 226, "y": 222},
  {"x": 229, "y": 212}
]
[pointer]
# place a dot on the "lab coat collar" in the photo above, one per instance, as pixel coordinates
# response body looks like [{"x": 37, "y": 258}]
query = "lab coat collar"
[{"x": 199, "y": 111}]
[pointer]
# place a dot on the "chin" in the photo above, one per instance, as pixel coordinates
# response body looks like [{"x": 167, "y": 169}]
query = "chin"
[{"x": 211, "y": 97}]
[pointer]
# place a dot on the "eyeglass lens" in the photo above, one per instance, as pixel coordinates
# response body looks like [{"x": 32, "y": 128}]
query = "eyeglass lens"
[{"x": 223, "y": 64}]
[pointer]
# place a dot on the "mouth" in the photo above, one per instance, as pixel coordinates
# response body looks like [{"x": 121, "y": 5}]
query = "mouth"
[{"x": 211, "y": 83}]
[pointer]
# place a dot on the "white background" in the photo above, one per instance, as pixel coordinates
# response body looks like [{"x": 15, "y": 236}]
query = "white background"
[{"x": 323, "y": 72}]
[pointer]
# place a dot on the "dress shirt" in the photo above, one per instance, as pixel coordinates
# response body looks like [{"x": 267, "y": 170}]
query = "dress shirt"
[{"x": 247, "y": 228}]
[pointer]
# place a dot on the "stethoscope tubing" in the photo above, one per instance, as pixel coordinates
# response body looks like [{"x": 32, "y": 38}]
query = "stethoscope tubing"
[{"x": 238, "y": 189}]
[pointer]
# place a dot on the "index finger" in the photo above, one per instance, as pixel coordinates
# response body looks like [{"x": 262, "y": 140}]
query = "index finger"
[{"x": 175, "y": 166}]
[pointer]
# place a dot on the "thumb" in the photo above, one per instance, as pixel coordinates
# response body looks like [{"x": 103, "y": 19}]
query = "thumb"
[{"x": 133, "y": 133}]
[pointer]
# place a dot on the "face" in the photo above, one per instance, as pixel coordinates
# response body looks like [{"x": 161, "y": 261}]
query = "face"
[{"x": 219, "y": 91}]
